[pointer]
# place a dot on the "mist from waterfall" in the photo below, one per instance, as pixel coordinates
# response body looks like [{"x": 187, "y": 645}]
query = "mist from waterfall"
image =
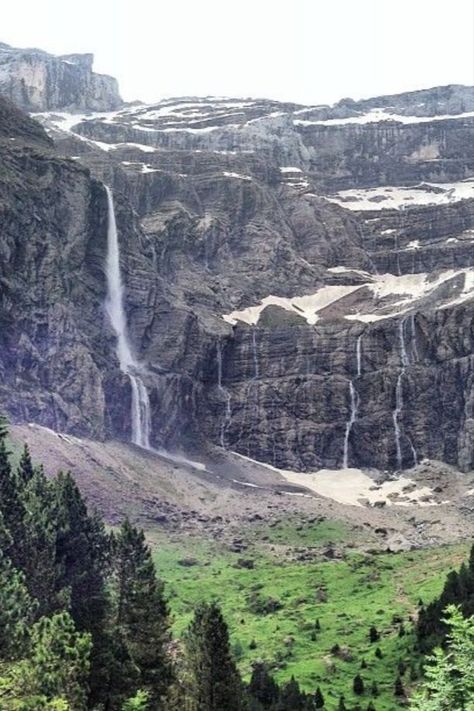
[{"x": 140, "y": 411}]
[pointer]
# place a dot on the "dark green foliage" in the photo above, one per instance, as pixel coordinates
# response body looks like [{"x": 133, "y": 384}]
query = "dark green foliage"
[
  {"x": 342, "y": 705},
  {"x": 358, "y": 685},
  {"x": 374, "y": 636},
  {"x": 318, "y": 699},
  {"x": 374, "y": 690},
  {"x": 58, "y": 665},
  {"x": 142, "y": 615},
  {"x": 214, "y": 682},
  {"x": 25, "y": 468},
  {"x": 291, "y": 697},
  {"x": 378, "y": 653},
  {"x": 398, "y": 689},
  {"x": 11, "y": 505},
  {"x": 458, "y": 590},
  {"x": 262, "y": 686},
  {"x": 16, "y": 610}
]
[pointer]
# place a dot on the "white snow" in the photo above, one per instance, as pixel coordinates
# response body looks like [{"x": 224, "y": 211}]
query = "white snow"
[
  {"x": 414, "y": 244},
  {"x": 399, "y": 197},
  {"x": 305, "y": 306},
  {"x": 352, "y": 486},
  {"x": 236, "y": 175},
  {"x": 381, "y": 296},
  {"x": 289, "y": 169},
  {"x": 378, "y": 115}
]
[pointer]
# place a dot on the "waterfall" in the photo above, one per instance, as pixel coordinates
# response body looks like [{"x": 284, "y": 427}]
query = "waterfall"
[
  {"x": 396, "y": 415},
  {"x": 255, "y": 354},
  {"x": 140, "y": 413},
  {"x": 405, "y": 359},
  {"x": 359, "y": 355},
  {"x": 228, "y": 410},
  {"x": 350, "y": 422},
  {"x": 403, "y": 349}
]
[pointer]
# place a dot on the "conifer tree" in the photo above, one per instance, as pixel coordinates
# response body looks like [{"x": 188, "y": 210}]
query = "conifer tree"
[
  {"x": 358, "y": 685},
  {"x": 214, "y": 682},
  {"x": 142, "y": 614},
  {"x": 16, "y": 610},
  {"x": 58, "y": 665},
  {"x": 262, "y": 686},
  {"x": 342, "y": 704},
  {"x": 82, "y": 560},
  {"x": 374, "y": 636},
  {"x": 318, "y": 699},
  {"x": 40, "y": 526},
  {"x": 25, "y": 468},
  {"x": 398, "y": 689},
  {"x": 10, "y": 503}
]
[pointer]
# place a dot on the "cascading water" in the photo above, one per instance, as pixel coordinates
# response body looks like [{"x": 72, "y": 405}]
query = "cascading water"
[
  {"x": 140, "y": 414},
  {"x": 228, "y": 410},
  {"x": 405, "y": 359},
  {"x": 359, "y": 355},
  {"x": 350, "y": 423},
  {"x": 255, "y": 354}
]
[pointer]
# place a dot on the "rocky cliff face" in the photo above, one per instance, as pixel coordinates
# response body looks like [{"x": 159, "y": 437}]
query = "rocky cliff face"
[
  {"x": 38, "y": 81},
  {"x": 299, "y": 279}
]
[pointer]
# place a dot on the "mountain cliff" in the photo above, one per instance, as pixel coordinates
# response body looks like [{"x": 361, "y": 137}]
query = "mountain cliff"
[
  {"x": 298, "y": 280},
  {"x": 38, "y": 81}
]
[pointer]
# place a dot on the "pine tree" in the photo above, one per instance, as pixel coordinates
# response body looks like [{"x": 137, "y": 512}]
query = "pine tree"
[
  {"x": 342, "y": 705},
  {"x": 398, "y": 689},
  {"x": 262, "y": 686},
  {"x": 10, "y": 504},
  {"x": 374, "y": 690},
  {"x": 142, "y": 614},
  {"x": 82, "y": 560},
  {"x": 374, "y": 636},
  {"x": 58, "y": 665},
  {"x": 291, "y": 697},
  {"x": 358, "y": 685},
  {"x": 318, "y": 699},
  {"x": 40, "y": 526},
  {"x": 25, "y": 468},
  {"x": 214, "y": 683},
  {"x": 16, "y": 610}
]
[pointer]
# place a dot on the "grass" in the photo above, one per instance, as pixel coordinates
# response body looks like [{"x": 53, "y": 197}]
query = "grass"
[{"x": 346, "y": 596}]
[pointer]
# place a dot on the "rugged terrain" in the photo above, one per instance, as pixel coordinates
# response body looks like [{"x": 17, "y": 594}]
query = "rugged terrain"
[{"x": 298, "y": 279}]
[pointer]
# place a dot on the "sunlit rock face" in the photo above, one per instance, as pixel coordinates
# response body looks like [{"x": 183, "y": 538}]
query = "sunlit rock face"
[
  {"x": 299, "y": 280},
  {"x": 38, "y": 81}
]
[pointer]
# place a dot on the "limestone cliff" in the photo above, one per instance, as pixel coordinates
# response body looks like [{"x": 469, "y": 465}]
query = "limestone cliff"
[
  {"x": 38, "y": 81},
  {"x": 299, "y": 280}
]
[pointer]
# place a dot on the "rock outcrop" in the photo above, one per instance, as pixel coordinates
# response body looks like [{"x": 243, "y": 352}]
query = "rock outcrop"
[
  {"x": 299, "y": 280},
  {"x": 37, "y": 81}
]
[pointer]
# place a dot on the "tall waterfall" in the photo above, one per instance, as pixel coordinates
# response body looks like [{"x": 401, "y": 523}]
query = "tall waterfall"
[
  {"x": 140, "y": 414},
  {"x": 228, "y": 410},
  {"x": 359, "y": 355},
  {"x": 405, "y": 359},
  {"x": 350, "y": 422}
]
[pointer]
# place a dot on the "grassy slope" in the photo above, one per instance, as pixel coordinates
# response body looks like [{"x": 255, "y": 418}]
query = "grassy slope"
[{"x": 361, "y": 590}]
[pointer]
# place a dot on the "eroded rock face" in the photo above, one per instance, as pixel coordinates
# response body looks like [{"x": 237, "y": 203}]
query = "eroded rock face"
[
  {"x": 222, "y": 204},
  {"x": 37, "y": 81}
]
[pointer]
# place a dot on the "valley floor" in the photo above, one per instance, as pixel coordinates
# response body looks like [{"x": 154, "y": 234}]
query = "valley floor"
[{"x": 301, "y": 576}]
